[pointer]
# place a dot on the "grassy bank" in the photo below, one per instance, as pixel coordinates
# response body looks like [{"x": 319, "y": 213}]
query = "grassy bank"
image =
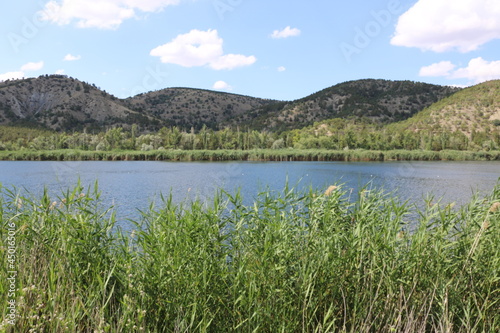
[
  {"x": 250, "y": 155},
  {"x": 292, "y": 262}
]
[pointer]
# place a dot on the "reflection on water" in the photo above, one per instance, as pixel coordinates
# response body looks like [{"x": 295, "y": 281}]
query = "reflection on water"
[{"x": 133, "y": 185}]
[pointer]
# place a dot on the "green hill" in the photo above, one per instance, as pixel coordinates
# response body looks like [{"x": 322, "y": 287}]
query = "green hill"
[
  {"x": 470, "y": 111},
  {"x": 378, "y": 100},
  {"x": 466, "y": 120}
]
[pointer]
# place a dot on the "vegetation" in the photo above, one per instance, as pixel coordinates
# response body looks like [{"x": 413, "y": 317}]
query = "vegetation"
[
  {"x": 291, "y": 262},
  {"x": 465, "y": 121},
  {"x": 66, "y": 104},
  {"x": 379, "y": 100},
  {"x": 334, "y": 134},
  {"x": 471, "y": 112},
  {"x": 362, "y": 134},
  {"x": 250, "y": 155}
]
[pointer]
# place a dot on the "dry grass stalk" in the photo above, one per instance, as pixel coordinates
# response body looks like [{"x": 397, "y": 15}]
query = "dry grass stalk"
[{"x": 330, "y": 190}]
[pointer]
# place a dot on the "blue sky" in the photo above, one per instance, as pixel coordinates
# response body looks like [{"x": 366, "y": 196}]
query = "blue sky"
[{"x": 271, "y": 49}]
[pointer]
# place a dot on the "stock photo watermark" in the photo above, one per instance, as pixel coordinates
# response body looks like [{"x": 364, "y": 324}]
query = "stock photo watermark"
[
  {"x": 30, "y": 28},
  {"x": 11, "y": 282},
  {"x": 372, "y": 29},
  {"x": 153, "y": 79},
  {"x": 219, "y": 180},
  {"x": 405, "y": 170},
  {"x": 224, "y": 6}
]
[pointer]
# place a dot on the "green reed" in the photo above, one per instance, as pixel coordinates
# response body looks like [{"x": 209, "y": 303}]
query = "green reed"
[
  {"x": 249, "y": 155},
  {"x": 293, "y": 261}
]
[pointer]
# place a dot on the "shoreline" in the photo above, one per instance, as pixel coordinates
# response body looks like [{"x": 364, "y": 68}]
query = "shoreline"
[{"x": 270, "y": 155}]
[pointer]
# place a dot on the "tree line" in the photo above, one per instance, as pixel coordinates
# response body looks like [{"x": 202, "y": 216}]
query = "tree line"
[{"x": 336, "y": 134}]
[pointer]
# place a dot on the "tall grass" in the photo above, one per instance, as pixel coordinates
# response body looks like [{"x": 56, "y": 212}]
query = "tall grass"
[
  {"x": 253, "y": 155},
  {"x": 290, "y": 262}
]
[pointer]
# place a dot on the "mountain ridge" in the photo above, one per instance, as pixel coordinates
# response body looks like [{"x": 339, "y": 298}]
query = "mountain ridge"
[{"x": 63, "y": 103}]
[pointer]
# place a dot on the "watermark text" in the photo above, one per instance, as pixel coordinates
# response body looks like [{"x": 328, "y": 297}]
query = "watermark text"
[
  {"x": 372, "y": 29},
  {"x": 11, "y": 273}
]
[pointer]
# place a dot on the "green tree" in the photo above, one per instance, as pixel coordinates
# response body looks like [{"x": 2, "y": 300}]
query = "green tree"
[{"x": 114, "y": 138}]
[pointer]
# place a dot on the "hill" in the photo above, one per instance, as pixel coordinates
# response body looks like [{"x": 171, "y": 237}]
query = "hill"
[
  {"x": 466, "y": 120},
  {"x": 67, "y": 104},
  {"x": 378, "y": 100},
  {"x": 469, "y": 111},
  {"x": 62, "y": 103},
  {"x": 187, "y": 107}
]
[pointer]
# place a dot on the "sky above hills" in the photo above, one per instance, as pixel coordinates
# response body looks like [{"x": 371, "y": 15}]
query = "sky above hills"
[{"x": 271, "y": 49}]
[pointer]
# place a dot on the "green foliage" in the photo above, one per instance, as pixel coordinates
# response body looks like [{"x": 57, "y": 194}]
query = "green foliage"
[
  {"x": 290, "y": 262},
  {"x": 148, "y": 153},
  {"x": 459, "y": 122},
  {"x": 336, "y": 134}
]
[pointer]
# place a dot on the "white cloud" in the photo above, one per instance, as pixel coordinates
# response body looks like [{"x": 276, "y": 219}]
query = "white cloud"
[
  {"x": 70, "y": 57},
  {"x": 32, "y": 66},
  {"x": 231, "y": 61},
  {"x": 442, "y": 68},
  {"x": 60, "y": 72},
  {"x": 443, "y": 25},
  {"x": 285, "y": 33},
  {"x": 29, "y": 67},
  {"x": 11, "y": 76},
  {"x": 221, "y": 85},
  {"x": 200, "y": 48},
  {"x": 102, "y": 14},
  {"x": 150, "y": 5},
  {"x": 459, "y": 85},
  {"x": 281, "y": 69},
  {"x": 478, "y": 70}
]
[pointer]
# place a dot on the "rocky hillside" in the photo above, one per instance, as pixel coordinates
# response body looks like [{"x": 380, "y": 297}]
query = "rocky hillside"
[
  {"x": 63, "y": 103},
  {"x": 380, "y": 100},
  {"x": 471, "y": 110},
  {"x": 186, "y": 107}
]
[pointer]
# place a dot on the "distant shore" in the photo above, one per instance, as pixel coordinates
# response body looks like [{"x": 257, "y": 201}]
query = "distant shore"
[{"x": 249, "y": 155}]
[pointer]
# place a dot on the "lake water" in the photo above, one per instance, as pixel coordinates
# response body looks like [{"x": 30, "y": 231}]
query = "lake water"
[{"x": 129, "y": 186}]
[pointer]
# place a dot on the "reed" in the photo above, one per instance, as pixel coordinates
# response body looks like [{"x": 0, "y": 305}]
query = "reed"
[
  {"x": 291, "y": 262},
  {"x": 253, "y": 155}
]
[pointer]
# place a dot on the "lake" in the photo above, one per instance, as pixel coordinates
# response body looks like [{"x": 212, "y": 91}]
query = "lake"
[{"x": 130, "y": 186}]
